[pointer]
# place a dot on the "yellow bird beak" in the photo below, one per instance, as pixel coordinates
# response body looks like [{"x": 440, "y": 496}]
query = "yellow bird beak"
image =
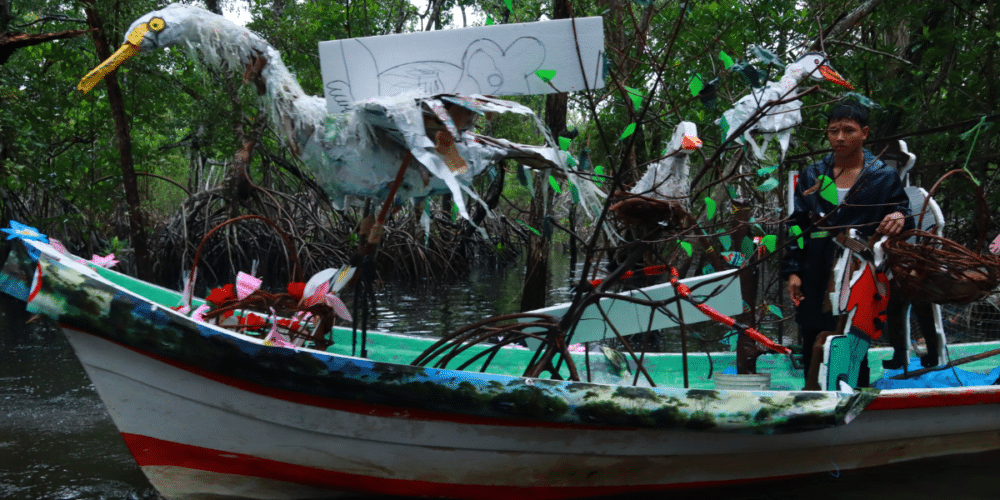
[{"x": 127, "y": 50}]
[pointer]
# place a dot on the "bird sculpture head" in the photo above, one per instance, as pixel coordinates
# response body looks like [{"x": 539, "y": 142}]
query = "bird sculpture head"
[
  {"x": 685, "y": 139},
  {"x": 172, "y": 25},
  {"x": 813, "y": 65}
]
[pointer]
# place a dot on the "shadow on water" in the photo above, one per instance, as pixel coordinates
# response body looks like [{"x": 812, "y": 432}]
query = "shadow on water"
[{"x": 57, "y": 441}]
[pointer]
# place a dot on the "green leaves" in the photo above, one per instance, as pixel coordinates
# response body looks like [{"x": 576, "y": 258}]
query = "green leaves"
[
  {"x": 545, "y": 74},
  {"x": 709, "y": 208},
  {"x": 727, "y": 61},
  {"x": 795, "y": 232},
  {"x": 629, "y": 130},
  {"x": 599, "y": 177},
  {"x": 564, "y": 143},
  {"x": 695, "y": 85},
  {"x": 554, "y": 184},
  {"x": 635, "y": 96},
  {"x": 828, "y": 189},
  {"x": 726, "y": 241},
  {"x": 686, "y": 246},
  {"x": 509, "y": 4},
  {"x": 768, "y": 185}
]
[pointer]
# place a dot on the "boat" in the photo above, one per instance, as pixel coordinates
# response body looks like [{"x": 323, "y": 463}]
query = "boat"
[{"x": 209, "y": 412}]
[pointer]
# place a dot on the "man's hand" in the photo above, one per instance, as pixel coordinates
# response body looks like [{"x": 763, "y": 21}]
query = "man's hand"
[
  {"x": 891, "y": 225},
  {"x": 795, "y": 288}
]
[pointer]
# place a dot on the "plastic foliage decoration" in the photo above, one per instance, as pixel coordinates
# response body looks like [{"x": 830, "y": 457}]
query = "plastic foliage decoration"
[
  {"x": 709, "y": 208},
  {"x": 635, "y": 96},
  {"x": 546, "y": 74}
]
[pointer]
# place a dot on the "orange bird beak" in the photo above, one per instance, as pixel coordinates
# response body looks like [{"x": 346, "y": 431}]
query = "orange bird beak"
[
  {"x": 833, "y": 76},
  {"x": 690, "y": 143}
]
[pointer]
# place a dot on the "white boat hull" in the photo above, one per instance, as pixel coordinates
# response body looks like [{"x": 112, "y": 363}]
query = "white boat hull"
[{"x": 201, "y": 435}]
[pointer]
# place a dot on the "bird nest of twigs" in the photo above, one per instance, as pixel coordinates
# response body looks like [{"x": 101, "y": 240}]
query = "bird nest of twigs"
[{"x": 939, "y": 270}]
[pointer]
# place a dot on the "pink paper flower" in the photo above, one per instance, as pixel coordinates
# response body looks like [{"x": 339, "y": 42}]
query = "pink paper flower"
[
  {"x": 107, "y": 262},
  {"x": 995, "y": 246},
  {"x": 274, "y": 337},
  {"x": 199, "y": 313},
  {"x": 245, "y": 285}
]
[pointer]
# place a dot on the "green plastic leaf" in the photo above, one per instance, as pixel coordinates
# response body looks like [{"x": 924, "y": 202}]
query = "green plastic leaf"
[
  {"x": 746, "y": 247},
  {"x": 767, "y": 170},
  {"x": 686, "y": 246},
  {"x": 585, "y": 160},
  {"x": 546, "y": 74},
  {"x": 726, "y": 60},
  {"x": 571, "y": 161},
  {"x": 708, "y": 269},
  {"x": 628, "y": 131},
  {"x": 727, "y": 241},
  {"x": 724, "y": 124},
  {"x": 564, "y": 143},
  {"x": 709, "y": 208},
  {"x": 768, "y": 185},
  {"x": 732, "y": 192},
  {"x": 775, "y": 310},
  {"x": 555, "y": 184},
  {"x": 489, "y": 21},
  {"x": 636, "y": 97},
  {"x": 770, "y": 242},
  {"x": 509, "y": 4},
  {"x": 529, "y": 227},
  {"x": 454, "y": 212},
  {"x": 574, "y": 191},
  {"x": 696, "y": 84},
  {"x": 599, "y": 178},
  {"x": 828, "y": 189},
  {"x": 522, "y": 176},
  {"x": 766, "y": 55},
  {"x": 794, "y": 232}
]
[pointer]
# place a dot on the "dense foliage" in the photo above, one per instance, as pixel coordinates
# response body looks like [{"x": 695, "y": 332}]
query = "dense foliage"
[{"x": 928, "y": 68}]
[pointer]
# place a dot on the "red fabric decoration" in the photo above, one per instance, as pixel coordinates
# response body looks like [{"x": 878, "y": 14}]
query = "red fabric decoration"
[
  {"x": 220, "y": 295},
  {"x": 296, "y": 289}
]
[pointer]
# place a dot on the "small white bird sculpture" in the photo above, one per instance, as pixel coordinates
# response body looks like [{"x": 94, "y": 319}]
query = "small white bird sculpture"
[
  {"x": 779, "y": 119},
  {"x": 668, "y": 179},
  {"x": 355, "y": 154}
]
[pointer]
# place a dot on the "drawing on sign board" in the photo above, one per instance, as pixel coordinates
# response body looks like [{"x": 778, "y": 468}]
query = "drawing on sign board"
[{"x": 485, "y": 68}]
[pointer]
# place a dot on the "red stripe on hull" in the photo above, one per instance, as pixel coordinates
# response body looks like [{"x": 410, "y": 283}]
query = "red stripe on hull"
[
  {"x": 904, "y": 401},
  {"x": 150, "y": 451},
  {"x": 358, "y": 407}
]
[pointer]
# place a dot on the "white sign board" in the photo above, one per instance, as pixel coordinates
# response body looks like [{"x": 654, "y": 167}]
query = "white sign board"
[{"x": 490, "y": 60}]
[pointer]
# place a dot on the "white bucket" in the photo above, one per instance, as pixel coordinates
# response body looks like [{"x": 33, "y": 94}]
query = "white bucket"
[{"x": 745, "y": 382}]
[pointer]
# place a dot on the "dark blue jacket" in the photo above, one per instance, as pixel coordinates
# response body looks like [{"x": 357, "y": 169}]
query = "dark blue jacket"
[{"x": 877, "y": 192}]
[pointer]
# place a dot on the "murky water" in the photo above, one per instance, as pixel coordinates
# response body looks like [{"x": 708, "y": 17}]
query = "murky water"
[{"x": 57, "y": 442}]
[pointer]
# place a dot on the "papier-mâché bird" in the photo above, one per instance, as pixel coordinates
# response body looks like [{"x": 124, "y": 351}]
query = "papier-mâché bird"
[
  {"x": 355, "y": 154},
  {"x": 778, "y": 119}
]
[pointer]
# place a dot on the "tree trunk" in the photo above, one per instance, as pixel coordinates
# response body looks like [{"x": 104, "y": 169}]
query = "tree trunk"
[
  {"x": 137, "y": 228},
  {"x": 536, "y": 276}
]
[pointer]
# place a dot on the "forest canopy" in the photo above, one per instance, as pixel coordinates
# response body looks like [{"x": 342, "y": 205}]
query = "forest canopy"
[{"x": 927, "y": 70}]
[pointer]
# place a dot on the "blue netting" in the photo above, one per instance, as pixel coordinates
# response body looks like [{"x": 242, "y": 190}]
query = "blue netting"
[{"x": 950, "y": 377}]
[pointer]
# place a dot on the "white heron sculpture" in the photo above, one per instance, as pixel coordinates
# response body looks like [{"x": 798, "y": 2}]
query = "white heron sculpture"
[
  {"x": 779, "y": 119},
  {"x": 669, "y": 178},
  {"x": 355, "y": 154}
]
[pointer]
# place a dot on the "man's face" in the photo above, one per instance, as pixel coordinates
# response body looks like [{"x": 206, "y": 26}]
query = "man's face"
[{"x": 846, "y": 135}]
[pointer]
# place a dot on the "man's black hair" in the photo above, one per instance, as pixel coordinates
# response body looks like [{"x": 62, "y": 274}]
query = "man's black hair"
[{"x": 849, "y": 110}]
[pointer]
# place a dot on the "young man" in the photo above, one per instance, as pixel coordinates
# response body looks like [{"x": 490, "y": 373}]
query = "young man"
[{"x": 870, "y": 199}]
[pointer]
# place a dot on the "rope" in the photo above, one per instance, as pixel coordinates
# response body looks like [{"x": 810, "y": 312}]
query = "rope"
[{"x": 685, "y": 293}]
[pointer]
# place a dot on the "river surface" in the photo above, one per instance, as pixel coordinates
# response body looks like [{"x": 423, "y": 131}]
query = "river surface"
[{"x": 57, "y": 441}]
